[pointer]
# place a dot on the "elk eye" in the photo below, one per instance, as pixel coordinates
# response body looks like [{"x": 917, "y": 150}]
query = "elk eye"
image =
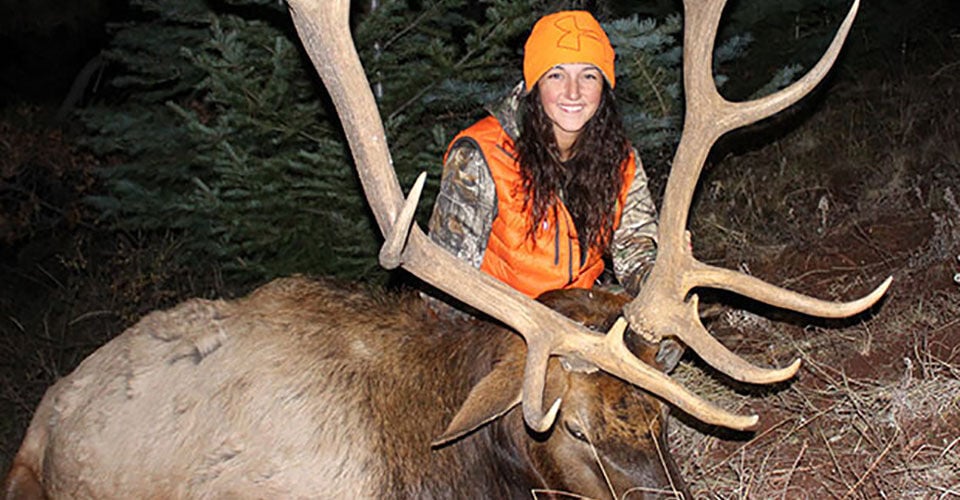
[{"x": 575, "y": 431}]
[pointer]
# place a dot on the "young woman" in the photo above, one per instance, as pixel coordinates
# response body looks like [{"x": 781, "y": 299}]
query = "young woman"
[{"x": 537, "y": 193}]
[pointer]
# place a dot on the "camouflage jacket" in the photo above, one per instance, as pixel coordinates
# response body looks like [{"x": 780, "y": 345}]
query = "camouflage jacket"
[{"x": 467, "y": 205}]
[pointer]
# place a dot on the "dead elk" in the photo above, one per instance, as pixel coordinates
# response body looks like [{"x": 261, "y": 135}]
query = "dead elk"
[{"x": 304, "y": 389}]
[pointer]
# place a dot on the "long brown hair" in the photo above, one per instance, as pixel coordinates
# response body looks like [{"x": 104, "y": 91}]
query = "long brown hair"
[{"x": 588, "y": 183}]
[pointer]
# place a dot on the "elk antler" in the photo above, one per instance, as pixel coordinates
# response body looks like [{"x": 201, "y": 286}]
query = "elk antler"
[
  {"x": 323, "y": 28},
  {"x": 661, "y": 308}
]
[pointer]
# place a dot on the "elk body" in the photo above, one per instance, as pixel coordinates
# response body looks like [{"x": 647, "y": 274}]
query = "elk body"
[{"x": 299, "y": 390}]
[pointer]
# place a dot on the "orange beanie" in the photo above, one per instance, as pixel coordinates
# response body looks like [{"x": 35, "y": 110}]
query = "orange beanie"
[{"x": 566, "y": 37}]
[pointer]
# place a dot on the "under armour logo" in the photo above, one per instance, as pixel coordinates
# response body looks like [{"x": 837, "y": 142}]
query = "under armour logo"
[{"x": 572, "y": 33}]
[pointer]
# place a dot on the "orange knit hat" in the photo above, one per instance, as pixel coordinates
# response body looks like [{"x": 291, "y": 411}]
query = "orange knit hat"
[{"x": 566, "y": 37}]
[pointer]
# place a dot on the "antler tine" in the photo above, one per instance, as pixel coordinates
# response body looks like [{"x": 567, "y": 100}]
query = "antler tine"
[
  {"x": 662, "y": 307},
  {"x": 754, "y": 288},
  {"x": 752, "y": 111},
  {"x": 714, "y": 353},
  {"x": 534, "y": 379},
  {"x": 392, "y": 251},
  {"x": 323, "y": 28},
  {"x": 612, "y": 356}
]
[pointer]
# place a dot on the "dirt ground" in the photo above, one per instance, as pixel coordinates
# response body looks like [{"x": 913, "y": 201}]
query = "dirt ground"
[{"x": 862, "y": 185}]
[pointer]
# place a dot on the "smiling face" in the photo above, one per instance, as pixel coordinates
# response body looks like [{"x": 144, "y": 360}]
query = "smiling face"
[{"x": 570, "y": 95}]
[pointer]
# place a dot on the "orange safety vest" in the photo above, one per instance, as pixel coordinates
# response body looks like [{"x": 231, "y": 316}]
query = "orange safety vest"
[{"x": 552, "y": 258}]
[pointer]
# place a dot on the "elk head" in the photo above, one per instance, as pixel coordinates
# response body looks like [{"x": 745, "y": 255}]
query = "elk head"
[
  {"x": 664, "y": 309},
  {"x": 610, "y": 439}
]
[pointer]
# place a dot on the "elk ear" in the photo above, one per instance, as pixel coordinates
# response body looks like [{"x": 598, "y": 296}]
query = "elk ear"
[
  {"x": 669, "y": 353},
  {"x": 495, "y": 394}
]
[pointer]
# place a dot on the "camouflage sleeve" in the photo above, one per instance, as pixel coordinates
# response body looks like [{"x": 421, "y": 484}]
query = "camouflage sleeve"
[
  {"x": 634, "y": 247},
  {"x": 466, "y": 204}
]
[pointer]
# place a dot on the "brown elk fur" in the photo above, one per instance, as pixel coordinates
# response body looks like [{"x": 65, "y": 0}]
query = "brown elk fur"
[{"x": 306, "y": 388}]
